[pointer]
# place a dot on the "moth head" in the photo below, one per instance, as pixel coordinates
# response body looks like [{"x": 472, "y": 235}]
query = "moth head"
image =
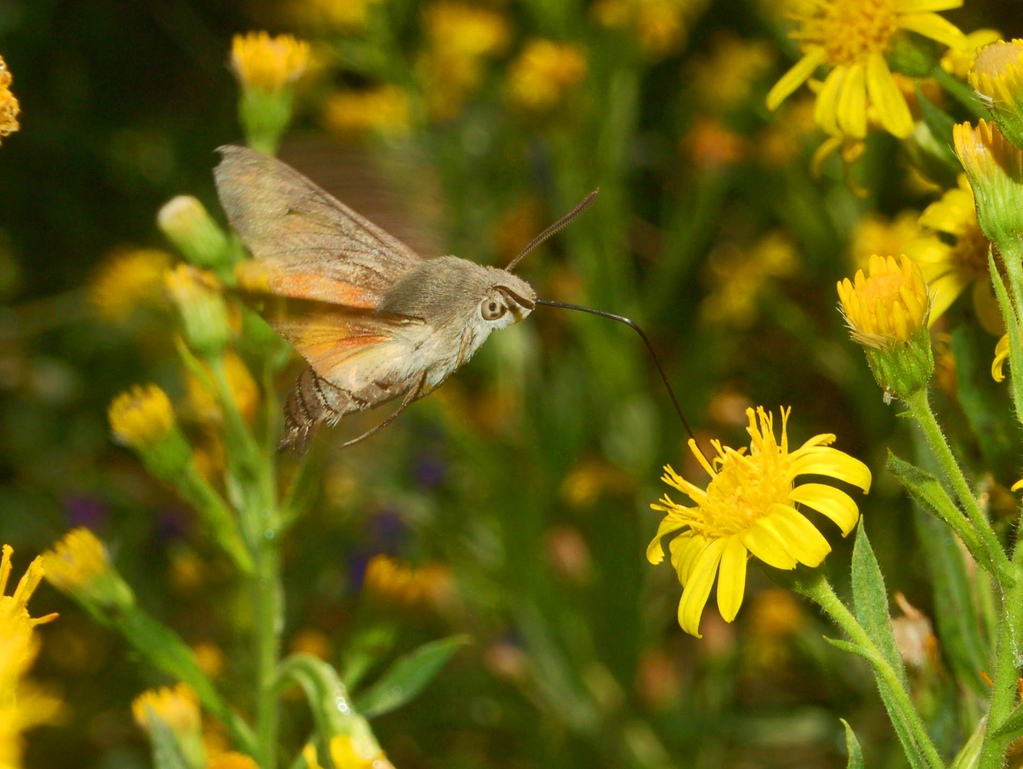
[{"x": 507, "y": 301}]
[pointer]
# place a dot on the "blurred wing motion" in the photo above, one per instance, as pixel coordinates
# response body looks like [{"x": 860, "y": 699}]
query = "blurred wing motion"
[{"x": 322, "y": 272}]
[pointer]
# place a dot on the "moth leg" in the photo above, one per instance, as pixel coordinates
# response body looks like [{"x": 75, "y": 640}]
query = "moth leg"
[{"x": 413, "y": 394}]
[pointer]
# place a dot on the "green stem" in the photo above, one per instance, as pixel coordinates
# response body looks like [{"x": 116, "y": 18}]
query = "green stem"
[
  {"x": 920, "y": 408},
  {"x": 1004, "y": 688},
  {"x": 218, "y": 516},
  {"x": 818, "y": 590},
  {"x": 268, "y": 598}
]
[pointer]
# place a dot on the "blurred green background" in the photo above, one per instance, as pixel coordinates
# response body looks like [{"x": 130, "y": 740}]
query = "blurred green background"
[{"x": 529, "y": 474}]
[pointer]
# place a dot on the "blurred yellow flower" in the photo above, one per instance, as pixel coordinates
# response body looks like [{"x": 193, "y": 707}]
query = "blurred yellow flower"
[
  {"x": 348, "y": 751},
  {"x": 9, "y": 108},
  {"x": 459, "y": 39},
  {"x": 23, "y": 705},
  {"x": 782, "y": 140},
  {"x": 382, "y": 109},
  {"x": 232, "y": 759},
  {"x": 268, "y": 63},
  {"x": 890, "y": 305},
  {"x": 1001, "y": 356},
  {"x": 341, "y": 15},
  {"x": 75, "y": 561},
  {"x": 750, "y": 508},
  {"x": 661, "y": 26},
  {"x": 204, "y": 404},
  {"x": 958, "y": 60},
  {"x": 737, "y": 278},
  {"x": 544, "y": 75},
  {"x": 712, "y": 147},
  {"x": 394, "y": 584},
  {"x": 851, "y": 38},
  {"x": 952, "y": 253},
  {"x": 141, "y": 417},
  {"x": 878, "y": 234},
  {"x": 177, "y": 707},
  {"x": 724, "y": 79},
  {"x": 127, "y": 280},
  {"x": 775, "y": 613}
]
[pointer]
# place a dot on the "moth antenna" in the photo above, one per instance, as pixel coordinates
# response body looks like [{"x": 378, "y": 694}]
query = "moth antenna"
[
  {"x": 559, "y": 225},
  {"x": 635, "y": 326}
]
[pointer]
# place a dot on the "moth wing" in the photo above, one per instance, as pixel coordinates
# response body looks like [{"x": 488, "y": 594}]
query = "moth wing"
[
  {"x": 347, "y": 348},
  {"x": 307, "y": 244}
]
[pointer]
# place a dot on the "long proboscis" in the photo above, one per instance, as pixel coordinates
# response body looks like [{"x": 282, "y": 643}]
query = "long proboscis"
[
  {"x": 646, "y": 340},
  {"x": 555, "y": 228}
]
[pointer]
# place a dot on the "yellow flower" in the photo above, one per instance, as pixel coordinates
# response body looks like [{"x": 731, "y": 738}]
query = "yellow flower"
[
  {"x": 958, "y": 60},
  {"x": 998, "y": 364},
  {"x": 127, "y": 280},
  {"x": 244, "y": 390},
  {"x": 661, "y": 26},
  {"x": 177, "y": 708},
  {"x": 997, "y": 73},
  {"x": 268, "y": 63},
  {"x": 750, "y": 508},
  {"x": 9, "y": 108},
  {"x": 23, "y": 705},
  {"x": 79, "y": 566},
  {"x": 459, "y": 39},
  {"x": 952, "y": 253},
  {"x": 351, "y": 751},
  {"x": 738, "y": 277},
  {"x": 851, "y": 38},
  {"x": 544, "y": 75},
  {"x": 877, "y": 234},
  {"x": 995, "y": 169},
  {"x": 383, "y": 109},
  {"x": 724, "y": 79},
  {"x": 141, "y": 417},
  {"x": 889, "y": 306},
  {"x": 397, "y": 585},
  {"x": 198, "y": 297}
]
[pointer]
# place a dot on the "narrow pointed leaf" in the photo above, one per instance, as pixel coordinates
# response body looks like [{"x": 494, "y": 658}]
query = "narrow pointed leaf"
[
  {"x": 407, "y": 677},
  {"x": 852, "y": 746},
  {"x": 870, "y": 603}
]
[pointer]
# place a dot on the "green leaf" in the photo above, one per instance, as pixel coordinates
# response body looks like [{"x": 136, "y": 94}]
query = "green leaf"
[
  {"x": 870, "y": 603},
  {"x": 928, "y": 492},
  {"x": 955, "y": 610},
  {"x": 852, "y": 746},
  {"x": 326, "y": 693},
  {"x": 1015, "y": 343},
  {"x": 899, "y": 722},
  {"x": 407, "y": 677},
  {"x": 1011, "y": 726}
]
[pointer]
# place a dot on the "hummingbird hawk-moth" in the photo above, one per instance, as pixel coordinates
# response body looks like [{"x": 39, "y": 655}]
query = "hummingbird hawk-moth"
[{"x": 374, "y": 320}]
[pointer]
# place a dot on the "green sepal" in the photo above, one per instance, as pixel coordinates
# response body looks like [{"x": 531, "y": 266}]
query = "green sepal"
[
  {"x": 902, "y": 729},
  {"x": 870, "y": 603},
  {"x": 928, "y": 492},
  {"x": 852, "y": 746},
  {"x": 167, "y": 752},
  {"x": 265, "y": 116},
  {"x": 903, "y": 368},
  {"x": 401, "y": 682},
  {"x": 164, "y": 649}
]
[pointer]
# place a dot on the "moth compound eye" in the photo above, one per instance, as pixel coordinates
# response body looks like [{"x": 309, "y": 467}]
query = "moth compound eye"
[{"x": 491, "y": 309}]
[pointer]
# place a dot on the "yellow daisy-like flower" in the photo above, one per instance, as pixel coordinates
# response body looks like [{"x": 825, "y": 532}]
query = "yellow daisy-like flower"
[
  {"x": 9, "y": 107},
  {"x": 80, "y": 566},
  {"x": 851, "y": 38},
  {"x": 952, "y": 253},
  {"x": 142, "y": 416},
  {"x": 997, "y": 73},
  {"x": 750, "y": 508},
  {"x": 877, "y": 234},
  {"x": 887, "y": 306},
  {"x": 268, "y": 63},
  {"x": 544, "y": 75},
  {"x": 177, "y": 709},
  {"x": 23, "y": 705}
]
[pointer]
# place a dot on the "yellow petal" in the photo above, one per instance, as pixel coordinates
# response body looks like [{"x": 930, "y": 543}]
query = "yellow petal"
[
  {"x": 764, "y": 540},
  {"x": 825, "y": 108},
  {"x": 684, "y": 552},
  {"x": 851, "y": 106},
  {"x": 671, "y": 522},
  {"x": 943, "y": 291},
  {"x": 988, "y": 312},
  {"x": 933, "y": 26},
  {"x": 697, "y": 590},
  {"x": 795, "y": 77},
  {"x": 805, "y": 543},
  {"x": 829, "y": 501},
  {"x": 823, "y": 460},
  {"x": 732, "y": 578},
  {"x": 892, "y": 110},
  {"x": 920, "y": 6}
]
